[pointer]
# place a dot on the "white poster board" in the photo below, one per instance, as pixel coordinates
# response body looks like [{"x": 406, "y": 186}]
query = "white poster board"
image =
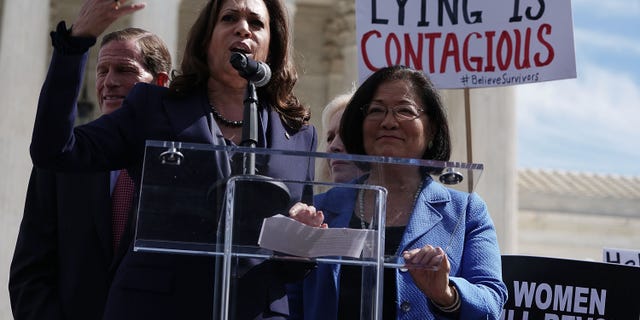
[
  {"x": 468, "y": 43},
  {"x": 621, "y": 256}
]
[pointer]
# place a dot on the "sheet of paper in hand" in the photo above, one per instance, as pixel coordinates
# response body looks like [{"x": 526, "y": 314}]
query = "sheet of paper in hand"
[{"x": 286, "y": 235}]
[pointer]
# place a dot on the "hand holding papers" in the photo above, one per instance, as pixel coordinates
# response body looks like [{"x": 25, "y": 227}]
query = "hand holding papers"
[{"x": 286, "y": 235}]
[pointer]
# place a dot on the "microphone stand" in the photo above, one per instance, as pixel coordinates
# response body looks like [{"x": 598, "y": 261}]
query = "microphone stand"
[
  {"x": 263, "y": 196},
  {"x": 276, "y": 192},
  {"x": 250, "y": 129},
  {"x": 254, "y": 200},
  {"x": 260, "y": 196}
]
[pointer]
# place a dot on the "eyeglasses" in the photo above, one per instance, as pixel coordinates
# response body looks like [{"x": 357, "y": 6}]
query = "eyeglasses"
[{"x": 403, "y": 112}]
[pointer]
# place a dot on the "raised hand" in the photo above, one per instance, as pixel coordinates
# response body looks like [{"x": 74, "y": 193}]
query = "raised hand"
[{"x": 96, "y": 16}]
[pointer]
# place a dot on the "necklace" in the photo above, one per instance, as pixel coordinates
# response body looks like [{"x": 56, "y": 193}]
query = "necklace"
[
  {"x": 225, "y": 122},
  {"x": 363, "y": 225}
]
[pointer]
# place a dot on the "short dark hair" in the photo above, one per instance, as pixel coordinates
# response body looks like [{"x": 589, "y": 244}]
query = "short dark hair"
[
  {"x": 353, "y": 117},
  {"x": 278, "y": 92},
  {"x": 155, "y": 54}
]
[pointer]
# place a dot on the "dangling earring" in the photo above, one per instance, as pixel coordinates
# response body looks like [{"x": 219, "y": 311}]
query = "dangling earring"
[{"x": 430, "y": 145}]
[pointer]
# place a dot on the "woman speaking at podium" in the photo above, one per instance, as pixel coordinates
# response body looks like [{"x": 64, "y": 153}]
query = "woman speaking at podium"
[{"x": 204, "y": 104}]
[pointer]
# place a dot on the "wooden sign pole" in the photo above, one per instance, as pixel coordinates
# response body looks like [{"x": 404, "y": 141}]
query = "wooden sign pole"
[{"x": 467, "y": 120}]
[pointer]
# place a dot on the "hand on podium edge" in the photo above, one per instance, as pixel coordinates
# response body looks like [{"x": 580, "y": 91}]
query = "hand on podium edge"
[
  {"x": 308, "y": 215},
  {"x": 429, "y": 267}
]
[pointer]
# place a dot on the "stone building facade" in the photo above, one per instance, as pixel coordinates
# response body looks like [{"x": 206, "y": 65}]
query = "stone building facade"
[
  {"x": 575, "y": 215},
  {"x": 325, "y": 53}
]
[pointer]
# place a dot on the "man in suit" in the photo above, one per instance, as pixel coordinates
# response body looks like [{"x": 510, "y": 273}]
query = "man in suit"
[{"x": 66, "y": 252}]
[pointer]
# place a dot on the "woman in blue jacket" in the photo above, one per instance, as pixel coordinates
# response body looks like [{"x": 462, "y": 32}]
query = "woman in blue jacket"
[{"x": 449, "y": 234}]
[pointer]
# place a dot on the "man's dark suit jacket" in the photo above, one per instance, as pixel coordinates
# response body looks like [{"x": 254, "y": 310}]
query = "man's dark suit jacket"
[
  {"x": 63, "y": 261},
  {"x": 60, "y": 268},
  {"x": 157, "y": 286}
]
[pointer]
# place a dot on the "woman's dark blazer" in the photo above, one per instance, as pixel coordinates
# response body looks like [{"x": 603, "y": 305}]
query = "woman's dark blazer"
[{"x": 151, "y": 285}]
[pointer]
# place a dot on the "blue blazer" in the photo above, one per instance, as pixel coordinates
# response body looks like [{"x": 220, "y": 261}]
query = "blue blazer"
[
  {"x": 161, "y": 286},
  {"x": 474, "y": 256}
]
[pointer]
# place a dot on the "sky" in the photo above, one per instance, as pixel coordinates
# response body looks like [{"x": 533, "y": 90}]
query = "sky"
[{"x": 592, "y": 123}]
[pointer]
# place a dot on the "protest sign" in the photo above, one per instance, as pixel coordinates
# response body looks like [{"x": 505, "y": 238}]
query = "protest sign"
[
  {"x": 621, "y": 256},
  {"x": 562, "y": 289},
  {"x": 468, "y": 43}
]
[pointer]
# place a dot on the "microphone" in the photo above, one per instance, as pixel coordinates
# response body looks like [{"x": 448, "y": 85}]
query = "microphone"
[{"x": 257, "y": 72}]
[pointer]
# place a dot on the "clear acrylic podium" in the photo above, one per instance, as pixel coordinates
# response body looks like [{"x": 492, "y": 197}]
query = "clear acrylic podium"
[{"x": 195, "y": 200}]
